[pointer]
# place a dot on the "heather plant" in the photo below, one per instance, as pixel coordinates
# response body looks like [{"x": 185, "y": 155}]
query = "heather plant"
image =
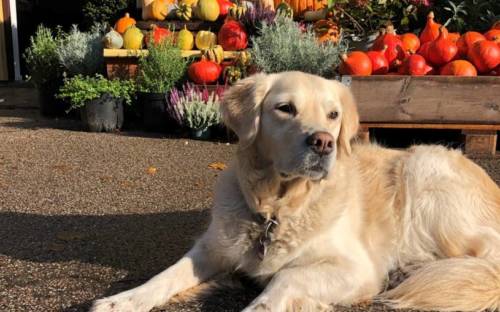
[
  {"x": 81, "y": 52},
  {"x": 285, "y": 45},
  {"x": 255, "y": 17},
  {"x": 162, "y": 68},
  {"x": 194, "y": 107}
]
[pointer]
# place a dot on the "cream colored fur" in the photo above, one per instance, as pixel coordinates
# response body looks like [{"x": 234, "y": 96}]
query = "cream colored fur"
[{"x": 428, "y": 210}]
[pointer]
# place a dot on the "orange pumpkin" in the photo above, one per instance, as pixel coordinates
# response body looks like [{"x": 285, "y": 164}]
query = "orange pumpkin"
[
  {"x": 300, "y": 6},
  {"x": 442, "y": 50},
  {"x": 459, "y": 68},
  {"x": 431, "y": 30},
  {"x": 454, "y": 37},
  {"x": 356, "y": 63},
  {"x": 467, "y": 40},
  {"x": 493, "y": 35},
  {"x": 411, "y": 43},
  {"x": 485, "y": 55},
  {"x": 123, "y": 23}
]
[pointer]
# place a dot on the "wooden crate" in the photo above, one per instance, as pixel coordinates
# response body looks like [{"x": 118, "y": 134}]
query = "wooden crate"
[
  {"x": 122, "y": 63},
  {"x": 470, "y": 104}
]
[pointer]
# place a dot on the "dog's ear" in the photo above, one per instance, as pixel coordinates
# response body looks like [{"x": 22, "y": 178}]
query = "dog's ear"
[
  {"x": 350, "y": 118},
  {"x": 241, "y": 106}
]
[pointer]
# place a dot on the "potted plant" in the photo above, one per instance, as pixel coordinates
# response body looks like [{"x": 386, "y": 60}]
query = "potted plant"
[
  {"x": 158, "y": 72},
  {"x": 45, "y": 70},
  {"x": 80, "y": 53},
  {"x": 287, "y": 46},
  {"x": 196, "y": 109},
  {"x": 100, "y": 100}
]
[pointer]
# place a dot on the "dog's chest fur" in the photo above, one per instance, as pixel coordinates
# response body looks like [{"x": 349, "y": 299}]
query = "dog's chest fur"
[{"x": 240, "y": 233}]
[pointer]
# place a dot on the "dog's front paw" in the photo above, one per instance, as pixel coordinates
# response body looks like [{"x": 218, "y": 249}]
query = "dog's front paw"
[{"x": 124, "y": 302}]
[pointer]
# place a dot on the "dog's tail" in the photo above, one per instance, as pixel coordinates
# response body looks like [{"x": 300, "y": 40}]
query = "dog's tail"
[{"x": 455, "y": 284}]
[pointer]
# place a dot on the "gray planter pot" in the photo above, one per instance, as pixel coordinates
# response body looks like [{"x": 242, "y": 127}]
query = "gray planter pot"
[
  {"x": 201, "y": 134},
  {"x": 154, "y": 111},
  {"x": 103, "y": 114}
]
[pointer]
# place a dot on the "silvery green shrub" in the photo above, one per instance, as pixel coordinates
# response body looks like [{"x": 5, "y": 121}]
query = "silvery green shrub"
[
  {"x": 81, "y": 52},
  {"x": 284, "y": 46}
]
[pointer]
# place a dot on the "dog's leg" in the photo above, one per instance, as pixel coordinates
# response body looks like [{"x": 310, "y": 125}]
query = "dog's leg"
[
  {"x": 196, "y": 266},
  {"x": 315, "y": 288}
]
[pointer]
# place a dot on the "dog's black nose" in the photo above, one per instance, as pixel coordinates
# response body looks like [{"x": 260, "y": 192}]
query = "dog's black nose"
[{"x": 320, "y": 142}]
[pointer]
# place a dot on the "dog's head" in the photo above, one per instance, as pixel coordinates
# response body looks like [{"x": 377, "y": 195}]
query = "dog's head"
[{"x": 298, "y": 122}]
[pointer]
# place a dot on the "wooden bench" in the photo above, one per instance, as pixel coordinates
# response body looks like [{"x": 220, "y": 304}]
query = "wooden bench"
[{"x": 469, "y": 104}]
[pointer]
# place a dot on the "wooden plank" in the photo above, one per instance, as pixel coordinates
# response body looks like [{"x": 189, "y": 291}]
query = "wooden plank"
[
  {"x": 430, "y": 126},
  {"x": 178, "y": 25},
  {"x": 480, "y": 142},
  {"x": 124, "y": 53},
  {"x": 4, "y": 71},
  {"x": 429, "y": 99}
]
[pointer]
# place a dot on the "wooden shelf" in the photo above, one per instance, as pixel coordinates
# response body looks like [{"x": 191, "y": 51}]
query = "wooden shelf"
[
  {"x": 124, "y": 53},
  {"x": 178, "y": 25}
]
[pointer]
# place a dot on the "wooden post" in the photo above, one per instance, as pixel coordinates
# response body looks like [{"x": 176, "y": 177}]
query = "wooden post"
[
  {"x": 4, "y": 71},
  {"x": 15, "y": 40},
  {"x": 480, "y": 142}
]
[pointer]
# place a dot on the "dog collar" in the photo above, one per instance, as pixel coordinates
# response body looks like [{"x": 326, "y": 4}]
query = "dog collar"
[{"x": 268, "y": 225}]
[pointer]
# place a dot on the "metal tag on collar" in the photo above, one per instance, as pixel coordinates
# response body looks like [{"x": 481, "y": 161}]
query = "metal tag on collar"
[{"x": 265, "y": 238}]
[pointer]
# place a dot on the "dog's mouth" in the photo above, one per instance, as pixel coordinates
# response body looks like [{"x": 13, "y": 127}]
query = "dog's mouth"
[{"x": 316, "y": 170}]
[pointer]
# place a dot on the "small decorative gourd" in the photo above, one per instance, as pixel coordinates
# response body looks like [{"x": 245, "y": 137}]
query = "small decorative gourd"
[
  {"x": 160, "y": 9},
  {"x": 185, "y": 39},
  {"x": 205, "y": 39},
  {"x": 132, "y": 39},
  {"x": 112, "y": 40},
  {"x": 124, "y": 23},
  {"x": 208, "y": 10},
  {"x": 214, "y": 54},
  {"x": 184, "y": 11}
]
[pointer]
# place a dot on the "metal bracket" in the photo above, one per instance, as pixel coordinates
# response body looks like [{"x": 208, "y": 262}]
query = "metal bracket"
[{"x": 345, "y": 80}]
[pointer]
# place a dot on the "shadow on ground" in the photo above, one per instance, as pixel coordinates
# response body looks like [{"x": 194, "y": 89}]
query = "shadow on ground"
[{"x": 143, "y": 245}]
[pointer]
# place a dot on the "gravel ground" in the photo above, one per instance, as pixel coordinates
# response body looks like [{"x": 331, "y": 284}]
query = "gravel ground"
[{"x": 85, "y": 215}]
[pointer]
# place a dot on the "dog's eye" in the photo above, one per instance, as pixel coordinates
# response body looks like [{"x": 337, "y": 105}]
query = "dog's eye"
[
  {"x": 288, "y": 108},
  {"x": 333, "y": 115}
]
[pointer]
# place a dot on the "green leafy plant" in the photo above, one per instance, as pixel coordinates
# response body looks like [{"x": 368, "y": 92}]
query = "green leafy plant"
[
  {"x": 82, "y": 89},
  {"x": 200, "y": 111},
  {"x": 81, "y": 52},
  {"x": 105, "y": 11},
  {"x": 41, "y": 57},
  {"x": 477, "y": 15},
  {"x": 162, "y": 68},
  {"x": 285, "y": 46}
]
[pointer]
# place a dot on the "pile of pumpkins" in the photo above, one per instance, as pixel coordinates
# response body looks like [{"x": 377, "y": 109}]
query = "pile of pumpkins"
[
  {"x": 434, "y": 52},
  {"x": 232, "y": 36},
  {"x": 186, "y": 10},
  {"x": 211, "y": 68}
]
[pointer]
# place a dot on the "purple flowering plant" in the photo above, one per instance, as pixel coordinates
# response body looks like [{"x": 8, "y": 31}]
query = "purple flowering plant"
[{"x": 179, "y": 98}]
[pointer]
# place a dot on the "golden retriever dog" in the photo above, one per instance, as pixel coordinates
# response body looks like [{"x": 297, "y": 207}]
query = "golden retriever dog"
[{"x": 319, "y": 220}]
